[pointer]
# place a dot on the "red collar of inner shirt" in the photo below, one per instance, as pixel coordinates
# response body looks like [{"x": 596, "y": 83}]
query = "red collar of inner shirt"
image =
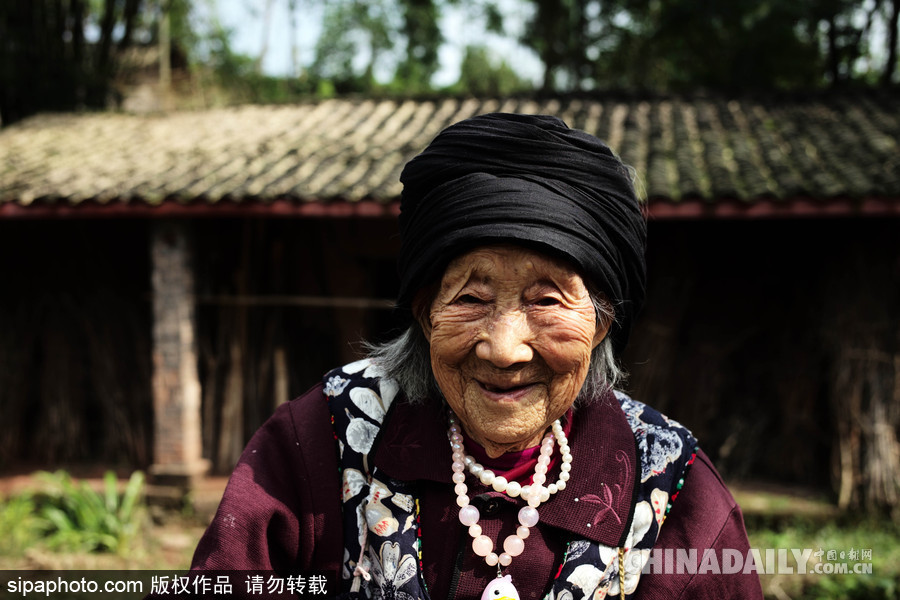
[{"x": 516, "y": 466}]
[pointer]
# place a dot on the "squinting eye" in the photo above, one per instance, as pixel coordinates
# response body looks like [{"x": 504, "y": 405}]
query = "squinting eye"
[
  {"x": 548, "y": 301},
  {"x": 469, "y": 299}
]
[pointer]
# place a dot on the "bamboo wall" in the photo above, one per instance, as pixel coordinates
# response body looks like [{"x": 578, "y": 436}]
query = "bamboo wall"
[
  {"x": 74, "y": 344},
  {"x": 776, "y": 342}
]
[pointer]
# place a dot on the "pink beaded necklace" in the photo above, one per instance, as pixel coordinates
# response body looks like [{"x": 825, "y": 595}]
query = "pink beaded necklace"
[{"x": 534, "y": 494}]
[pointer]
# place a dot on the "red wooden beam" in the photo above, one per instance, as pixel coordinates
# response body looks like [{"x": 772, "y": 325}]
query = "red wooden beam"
[
  {"x": 767, "y": 208},
  {"x": 662, "y": 209},
  {"x": 281, "y": 207}
]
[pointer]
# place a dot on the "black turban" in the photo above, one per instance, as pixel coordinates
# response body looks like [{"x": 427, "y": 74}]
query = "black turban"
[{"x": 527, "y": 180}]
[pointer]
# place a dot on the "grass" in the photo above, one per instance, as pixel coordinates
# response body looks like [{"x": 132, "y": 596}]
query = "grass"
[
  {"x": 843, "y": 535},
  {"x": 779, "y": 517},
  {"x": 66, "y": 524}
]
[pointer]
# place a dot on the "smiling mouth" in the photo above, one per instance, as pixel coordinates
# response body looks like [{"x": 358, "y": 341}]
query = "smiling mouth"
[
  {"x": 505, "y": 391},
  {"x": 498, "y": 388}
]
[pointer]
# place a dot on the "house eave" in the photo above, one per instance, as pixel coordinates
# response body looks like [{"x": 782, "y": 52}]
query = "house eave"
[
  {"x": 657, "y": 209},
  {"x": 801, "y": 207},
  {"x": 279, "y": 207}
]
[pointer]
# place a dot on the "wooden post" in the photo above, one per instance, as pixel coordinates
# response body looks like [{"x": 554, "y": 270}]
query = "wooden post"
[{"x": 177, "y": 443}]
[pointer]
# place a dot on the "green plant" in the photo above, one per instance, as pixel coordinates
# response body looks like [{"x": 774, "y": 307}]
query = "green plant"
[
  {"x": 20, "y": 527},
  {"x": 852, "y": 588},
  {"x": 80, "y": 519},
  {"x": 842, "y": 534}
]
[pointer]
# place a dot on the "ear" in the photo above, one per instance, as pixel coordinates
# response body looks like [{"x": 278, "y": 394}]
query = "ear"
[
  {"x": 606, "y": 321},
  {"x": 421, "y": 309},
  {"x": 602, "y": 330}
]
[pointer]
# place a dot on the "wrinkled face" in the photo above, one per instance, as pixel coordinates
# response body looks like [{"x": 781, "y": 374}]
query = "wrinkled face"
[{"x": 511, "y": 333}]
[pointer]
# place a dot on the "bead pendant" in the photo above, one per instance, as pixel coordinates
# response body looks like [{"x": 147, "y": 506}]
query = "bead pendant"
[{"x": 501, "y": 588}]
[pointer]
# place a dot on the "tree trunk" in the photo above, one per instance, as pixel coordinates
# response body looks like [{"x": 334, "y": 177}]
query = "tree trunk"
[
  {"x": 833, "y": 60},
  {"x": 893, "y": 30},
  {"x": 104, "y": 47},
  {"x": 295, "y": 50},
  {"x": 165, "y": 50},
  {"x": 79, "y": 74},
  {"x": 130, "y": 14},
  {"x": 264, "y": 47},
  {"x": 862, "y": 336}
]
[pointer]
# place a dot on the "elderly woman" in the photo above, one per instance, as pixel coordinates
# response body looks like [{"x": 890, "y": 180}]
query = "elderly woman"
[{"x": 484, "y": 453}]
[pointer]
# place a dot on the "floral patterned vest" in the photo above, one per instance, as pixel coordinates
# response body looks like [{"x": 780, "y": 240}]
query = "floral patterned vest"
[{"x": 381, "y": 550}]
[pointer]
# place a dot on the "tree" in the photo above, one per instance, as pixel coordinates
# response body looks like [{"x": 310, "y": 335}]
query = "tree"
[
  {"x": 559, "y": 32},
  {"x": 482, "y": 76},
  {"x": 46, "y": 61},
  {"x": 736, "y": 45},
  {"x": 267, "y": 23},
  {"x": 355, "y": 36},
  {"x": 423, "y": 39},
  {"x": 399, "y": 38},
  {"x": 893, "y": 31},
  {"x": 64, "y": 56}
]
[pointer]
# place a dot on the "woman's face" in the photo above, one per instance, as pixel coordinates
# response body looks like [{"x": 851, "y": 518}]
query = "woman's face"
[{"x": 511, "y": 333}]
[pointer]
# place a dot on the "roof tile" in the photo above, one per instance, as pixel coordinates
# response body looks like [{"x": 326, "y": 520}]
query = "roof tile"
[{"x": 750, "y": 148}]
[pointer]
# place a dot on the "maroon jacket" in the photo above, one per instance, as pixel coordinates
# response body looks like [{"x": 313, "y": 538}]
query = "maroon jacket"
[{"x": 282, "y": 507}]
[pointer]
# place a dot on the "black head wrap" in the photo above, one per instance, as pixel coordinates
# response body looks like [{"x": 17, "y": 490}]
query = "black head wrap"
[{"x": 527, "y": 180}]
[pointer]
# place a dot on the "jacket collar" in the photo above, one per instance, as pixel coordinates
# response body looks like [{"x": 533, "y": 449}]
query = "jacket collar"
[{"x": 597, "y": 503}]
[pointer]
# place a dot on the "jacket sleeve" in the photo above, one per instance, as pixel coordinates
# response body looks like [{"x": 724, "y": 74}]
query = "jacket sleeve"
[
  {"x": 704, "y": 519},
  {"x": 281, "y": 509}
]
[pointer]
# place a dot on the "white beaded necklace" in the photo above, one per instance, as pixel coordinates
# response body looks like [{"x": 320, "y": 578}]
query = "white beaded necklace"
[{"x": 534, "y": 494}]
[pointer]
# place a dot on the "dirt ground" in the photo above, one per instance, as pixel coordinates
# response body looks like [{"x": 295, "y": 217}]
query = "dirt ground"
[
  {"x": 170, "y": 535},
  {"x": 169, "y": 538}
]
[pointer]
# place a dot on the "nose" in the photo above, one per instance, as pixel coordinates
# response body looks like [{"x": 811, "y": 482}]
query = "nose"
[{"x": 507, "y": 341}]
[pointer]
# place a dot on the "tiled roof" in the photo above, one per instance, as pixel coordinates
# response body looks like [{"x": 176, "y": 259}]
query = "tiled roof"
[{"x": 707, "y": 149}]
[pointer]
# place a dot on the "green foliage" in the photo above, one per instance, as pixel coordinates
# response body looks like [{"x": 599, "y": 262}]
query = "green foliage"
[
  {"x": 19, "y": 524},
  {"x": 559, "y": 33},
  {"x": 77, "y": 518},
  {"x": 49, "y": 61},
  {"x": 739, "y": 45},
  {"x": 685, "y": 44},
  {"x": 356, "y": 37},
  {"x": 183, "y": 31},
  {"x": 672, "y": 45},
  {"x": 237, "y": 74},
  {"x": 480, "y": 75},
  {"x": 882, "y": 537},
  {"x": 423, "y": 39},
  {"x": 851, "y": 587},
  {"x": 64, "y": 56}
]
